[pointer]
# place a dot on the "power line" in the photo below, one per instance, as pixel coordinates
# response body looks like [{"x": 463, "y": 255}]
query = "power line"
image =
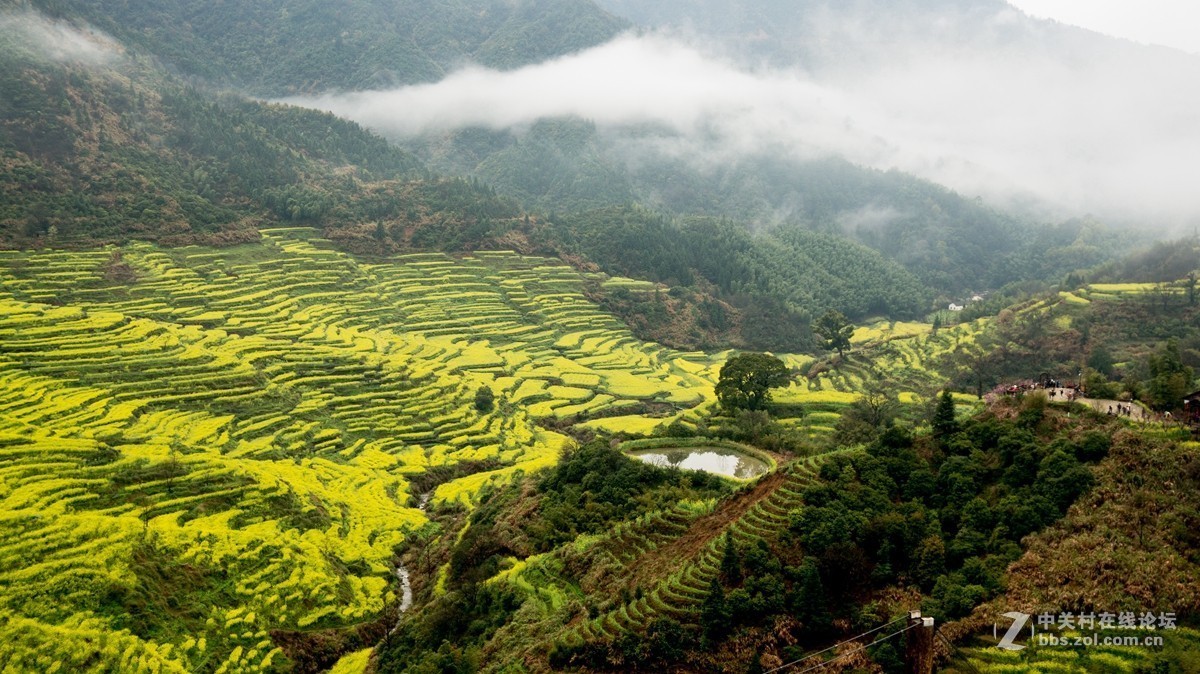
[
  {"x": 854, "y": 638},
  {"x": 860, "y": 648},
  {"x": 955, "y": 651}
]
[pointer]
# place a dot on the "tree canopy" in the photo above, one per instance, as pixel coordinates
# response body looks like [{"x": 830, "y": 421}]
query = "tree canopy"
[
  {"x": 835, "y": 329},
  {"x": 746, "y": 380}
]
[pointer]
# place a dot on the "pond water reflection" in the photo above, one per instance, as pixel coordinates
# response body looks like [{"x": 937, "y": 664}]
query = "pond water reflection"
[{"x": 718, "y": 460}]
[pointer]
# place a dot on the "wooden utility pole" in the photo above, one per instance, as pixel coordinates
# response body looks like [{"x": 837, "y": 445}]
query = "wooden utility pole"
[{"x": 918, "y": 656}]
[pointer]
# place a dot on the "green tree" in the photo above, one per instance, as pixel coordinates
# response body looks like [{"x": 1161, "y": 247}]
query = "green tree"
[
  {"x": 943, "y": 422},
  {"x": 1061, "y": 479},
  {"x": 1096, "y": 385},
  {"x": 485, "y": 400},
  {"x": 714, "y": 612},
  {"x": 867, "y": 417},
  {"x": 810, "y": 602},
  {"x": 746, "y": 380},
  {"x": 1101, "y": 360},
  {"x": 1170, "y": 379},
  {"x": 731, "y": 561},
  {"x": 835, "y": 329},
  {"x": 930, "y": 561},
  {"x": 666, "y": 639}
]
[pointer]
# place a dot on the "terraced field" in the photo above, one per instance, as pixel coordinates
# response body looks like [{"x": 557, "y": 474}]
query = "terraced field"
[
  {"x": 665, "y": 561},
  {"x": 900, "y": 353},
  {"x": 251, "y": 418},
  {"x": 1081, "y": 659}
]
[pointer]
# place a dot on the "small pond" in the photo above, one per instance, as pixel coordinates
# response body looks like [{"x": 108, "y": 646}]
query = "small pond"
[{"x": 718, "y": 460}]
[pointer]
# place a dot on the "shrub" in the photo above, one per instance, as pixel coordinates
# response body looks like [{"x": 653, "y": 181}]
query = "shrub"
[{"x": 485, "y": 400}]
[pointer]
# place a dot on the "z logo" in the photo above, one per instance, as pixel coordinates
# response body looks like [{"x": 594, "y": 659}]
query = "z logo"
[{"x": 1007, "y": 643}]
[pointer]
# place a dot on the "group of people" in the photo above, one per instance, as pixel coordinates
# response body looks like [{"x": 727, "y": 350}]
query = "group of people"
[
  {"x": 1021, "y": 387},
  {"x": 1069, "y": 394},
  {"x": 1053, "y": 387}
]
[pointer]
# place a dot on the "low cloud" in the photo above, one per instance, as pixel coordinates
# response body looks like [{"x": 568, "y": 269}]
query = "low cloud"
[
  {"x": 56, "y": 41},
  {"x": 1111, "y": 131},
  {"x": 868, "y": 218}
]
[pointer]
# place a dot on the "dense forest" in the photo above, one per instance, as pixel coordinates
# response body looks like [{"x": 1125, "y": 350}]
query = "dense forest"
[
  {"x": 930, "y": 520},
  {"x": 796, "y": 270},
  {"x": 98, "y": 153},
  {"x": 291, "y": 46},
  {"x": 951, "y": 243}
]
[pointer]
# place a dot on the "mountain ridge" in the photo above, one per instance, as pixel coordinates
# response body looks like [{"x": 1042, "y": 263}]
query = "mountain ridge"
[{"x": 285, "y": 47}]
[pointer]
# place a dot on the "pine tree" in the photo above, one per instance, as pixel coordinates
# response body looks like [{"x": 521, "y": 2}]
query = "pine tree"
[
  {"x": 810, "y": 603},
  {"x": 714, "y": 612},
  {"x": 943, "y": 421},
  {"x": 731, "y": 562}
]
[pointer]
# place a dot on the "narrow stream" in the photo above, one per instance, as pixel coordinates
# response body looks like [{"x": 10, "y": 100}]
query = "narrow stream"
[
  {"x": 406, "y": 593},
  {"x": 406, "y": 596}
]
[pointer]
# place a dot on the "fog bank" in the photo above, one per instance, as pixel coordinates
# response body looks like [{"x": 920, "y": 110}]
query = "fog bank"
[
  {"x": 1111, "y": 132},
  {"x": 56, "y": 40}
]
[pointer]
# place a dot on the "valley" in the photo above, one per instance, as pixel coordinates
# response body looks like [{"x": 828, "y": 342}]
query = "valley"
[{"x": 591, "y": 337}]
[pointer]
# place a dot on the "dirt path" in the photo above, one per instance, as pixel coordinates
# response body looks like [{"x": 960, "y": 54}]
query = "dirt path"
[
  {"x": 667, "y": 557},
  {"x": 1117, "y": 408}
]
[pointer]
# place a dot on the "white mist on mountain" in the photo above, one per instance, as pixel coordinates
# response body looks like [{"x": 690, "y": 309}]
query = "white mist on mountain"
[
  {"x": 1111, "y": 130},
  {"x": 57, "y": 40}
]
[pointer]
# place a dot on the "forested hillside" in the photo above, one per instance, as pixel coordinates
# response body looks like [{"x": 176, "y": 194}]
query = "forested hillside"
[
  {"x": 952, "y": 243},
  {"x": 290, "y": 46},
  {"x": 109, "y": 150},
  {"x": 802, "y": 267},
  {"x": 198, "y": 164}
]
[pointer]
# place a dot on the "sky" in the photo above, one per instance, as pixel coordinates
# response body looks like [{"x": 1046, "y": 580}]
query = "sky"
[{"x": 1170, "y": 23}]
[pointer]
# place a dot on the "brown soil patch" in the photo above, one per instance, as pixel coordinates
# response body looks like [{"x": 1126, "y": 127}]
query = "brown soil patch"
[{"x": 669, "y": 557}]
